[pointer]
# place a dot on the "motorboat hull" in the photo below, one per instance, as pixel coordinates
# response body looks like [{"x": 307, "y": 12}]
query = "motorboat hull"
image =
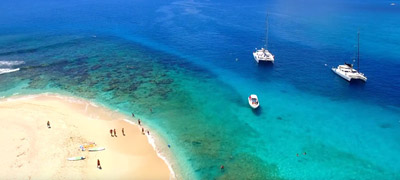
[{"x": 253, "y": 105}]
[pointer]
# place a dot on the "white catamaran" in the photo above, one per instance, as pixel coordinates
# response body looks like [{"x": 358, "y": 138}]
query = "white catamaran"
[
  {"x": 347, "y": 71},
  {"x": 263, "y": 54}
]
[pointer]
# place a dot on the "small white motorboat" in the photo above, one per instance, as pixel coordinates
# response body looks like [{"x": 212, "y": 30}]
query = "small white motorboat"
[{"x": 253, "y": 101}]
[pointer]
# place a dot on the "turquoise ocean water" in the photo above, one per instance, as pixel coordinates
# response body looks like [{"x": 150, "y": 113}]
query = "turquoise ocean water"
[{"x": 191, "y": 63}]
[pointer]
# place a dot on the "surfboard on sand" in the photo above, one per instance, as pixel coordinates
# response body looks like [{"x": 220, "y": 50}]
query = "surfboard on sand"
[
  {"x": 76, "y": 158},
  {"x": 97, "y": 149},
  {"x": 87, "y": 145}
]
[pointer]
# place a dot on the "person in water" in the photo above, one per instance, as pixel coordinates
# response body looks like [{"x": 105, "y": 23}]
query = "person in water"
[
  {"x": 133, "y": 115},
  {"x": 48, "y": 124},
  {"x": 148, "y": 132},
  {"x": 123, "y": 132},
  {"x": 222, "y": 167},
  {"x": 139, "y": 122}
]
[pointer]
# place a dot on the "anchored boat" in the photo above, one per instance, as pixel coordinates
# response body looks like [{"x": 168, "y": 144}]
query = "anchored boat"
[
  {"x": 263, "y": 54},
  {"x": 253, "y": 101},
  {"x": 347, "y": 71}
]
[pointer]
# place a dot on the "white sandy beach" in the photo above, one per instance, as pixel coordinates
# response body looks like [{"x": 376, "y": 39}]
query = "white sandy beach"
[{"x": 30, "y": 150}]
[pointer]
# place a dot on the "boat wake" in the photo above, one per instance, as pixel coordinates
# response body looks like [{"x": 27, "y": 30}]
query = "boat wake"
[{"x": 9, "y": 66}]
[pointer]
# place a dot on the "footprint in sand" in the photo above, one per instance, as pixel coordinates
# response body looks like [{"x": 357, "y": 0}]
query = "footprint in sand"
[{"x": 20, "y": 154}]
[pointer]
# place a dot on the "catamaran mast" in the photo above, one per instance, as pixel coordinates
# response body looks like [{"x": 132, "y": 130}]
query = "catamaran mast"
[
  {"x": 266, "y": 35},
  {"x": 358, "y": 51}
]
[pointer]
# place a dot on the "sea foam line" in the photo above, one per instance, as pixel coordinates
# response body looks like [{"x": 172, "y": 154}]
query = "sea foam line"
[
  {"x": 14, "y": 97},
  {"x": 151, "y": 141},
  {"x": 8, "y": 70},
  {"x": 11, "y": 63}
]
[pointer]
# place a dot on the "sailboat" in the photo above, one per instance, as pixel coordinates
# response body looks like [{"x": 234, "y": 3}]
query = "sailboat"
[
  {"x": 347, "y": 72},
  {"x": 263, "y": 54}
]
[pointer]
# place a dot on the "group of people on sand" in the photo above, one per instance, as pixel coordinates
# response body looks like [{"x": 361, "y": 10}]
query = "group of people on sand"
[
  {"x": 143, "y": 131},
  {"x": 113, "y": 132},
  {"x": 140, "y": 124}
]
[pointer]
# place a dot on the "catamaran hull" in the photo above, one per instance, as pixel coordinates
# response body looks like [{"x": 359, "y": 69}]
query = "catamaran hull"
[
  {"x": 260, "y": 57},
  {"x": 335, "y": 70},
  {"x": 258, "y": 60},
  {"x": 346, "y": 77}
]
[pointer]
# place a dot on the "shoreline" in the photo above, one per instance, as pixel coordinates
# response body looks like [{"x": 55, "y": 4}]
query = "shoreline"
[
  {"x": 152, "y": 141},
  {"x": 123, "y": 118}
]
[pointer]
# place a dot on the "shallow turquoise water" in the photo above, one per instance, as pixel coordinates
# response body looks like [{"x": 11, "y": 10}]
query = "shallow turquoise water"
[{"x": 178, "y": 58}]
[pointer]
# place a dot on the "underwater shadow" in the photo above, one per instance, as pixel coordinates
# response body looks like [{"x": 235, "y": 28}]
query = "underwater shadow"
[
  {"x": 257, "y": 111},
  {"x": 265, "y": 65},
  {"x": 357, "y": 84},
  {"x": 264, "y": 70}
]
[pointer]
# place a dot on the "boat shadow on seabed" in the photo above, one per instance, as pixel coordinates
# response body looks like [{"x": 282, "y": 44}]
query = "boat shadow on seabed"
[
  {"x": 265, "y": 65},
  {"x": 264, "y": 70},
  {"x": 257, "y": 111},
  {"x": 356, "y": 84}
]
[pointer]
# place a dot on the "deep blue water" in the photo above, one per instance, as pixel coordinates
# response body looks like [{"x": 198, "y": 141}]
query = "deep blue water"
[{"x": 179, "y": 58}]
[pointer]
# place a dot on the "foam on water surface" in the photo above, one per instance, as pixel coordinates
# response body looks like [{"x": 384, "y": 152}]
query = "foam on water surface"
[
  {"x": 10, "y": 63},
  {"x": 6, "y": 70}
]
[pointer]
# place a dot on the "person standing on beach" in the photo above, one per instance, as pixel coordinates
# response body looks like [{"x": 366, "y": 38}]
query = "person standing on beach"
[
  {"x": 111, "y": 131},
  {"x": 115, "y": 133},
  {"x": 142, "y": 130},
  {"x": 123, "y": 132},
  {"x": 98, "y": 164},
  {"x": 48, "y": 124},
  {"x": 139, "y": 122},
  {"x": 148, "y": 132}
]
